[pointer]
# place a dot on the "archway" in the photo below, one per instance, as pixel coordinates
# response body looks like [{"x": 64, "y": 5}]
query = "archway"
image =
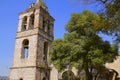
[
  {"x": 24, "y": 23},
  {"x": 31, "y": 21},
  {"x": 68, "y": 75}
]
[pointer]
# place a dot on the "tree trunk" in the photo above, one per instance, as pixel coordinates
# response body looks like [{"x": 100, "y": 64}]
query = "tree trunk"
[{"x": 88, "y": 74}]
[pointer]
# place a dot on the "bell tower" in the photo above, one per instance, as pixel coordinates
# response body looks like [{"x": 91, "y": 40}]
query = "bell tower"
[{"x": 33, "y": 42}]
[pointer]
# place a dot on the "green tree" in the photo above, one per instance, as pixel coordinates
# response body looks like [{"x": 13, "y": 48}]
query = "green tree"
[
  {"x": 81, "y": 46},
  {"x": 111, "y": 12}
]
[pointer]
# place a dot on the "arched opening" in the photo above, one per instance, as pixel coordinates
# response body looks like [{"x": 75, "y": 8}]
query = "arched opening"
[
  {"x": 68, "y": 75},
  {"x": 24, "y": 23},
  {"x": 45, "y": 51},
  {"x": 31, "y": 22},
  {"x": 25, "y": 48}
]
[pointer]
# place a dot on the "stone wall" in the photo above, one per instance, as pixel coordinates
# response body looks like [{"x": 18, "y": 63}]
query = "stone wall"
[{"x": 25, "y": 73}]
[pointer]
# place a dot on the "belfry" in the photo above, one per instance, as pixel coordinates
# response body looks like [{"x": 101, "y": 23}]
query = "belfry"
[{"x": 33, "y": 42}]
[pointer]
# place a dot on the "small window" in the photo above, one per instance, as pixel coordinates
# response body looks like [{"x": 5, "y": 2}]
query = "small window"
[
  {"x": 25, "y": 52},
  {"x": 25, "y": 48}
]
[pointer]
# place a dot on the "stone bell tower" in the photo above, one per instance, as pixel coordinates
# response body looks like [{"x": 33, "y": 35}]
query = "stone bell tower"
[{"x": 33, "y": 42}]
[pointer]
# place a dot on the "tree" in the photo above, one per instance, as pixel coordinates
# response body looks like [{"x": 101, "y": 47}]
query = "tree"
[
  {"x": 82, "y": 46},
  {"x": 111, "y": 13}
]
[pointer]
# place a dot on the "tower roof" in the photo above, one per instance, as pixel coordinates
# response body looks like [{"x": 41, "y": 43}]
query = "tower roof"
[{"x": 40, "y": 2}]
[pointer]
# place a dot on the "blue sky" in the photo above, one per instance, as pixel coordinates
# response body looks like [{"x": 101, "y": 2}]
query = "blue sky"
[{"x": 9, "y": 9}]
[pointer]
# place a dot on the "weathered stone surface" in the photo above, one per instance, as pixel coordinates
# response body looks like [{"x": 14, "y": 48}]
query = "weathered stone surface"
[{"x": 24, "y": 73}]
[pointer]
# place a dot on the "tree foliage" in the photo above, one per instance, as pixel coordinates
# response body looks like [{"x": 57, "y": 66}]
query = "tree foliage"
[
  {"x": 82, "y": 46},
  {"x": 111, "y": 13}
]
